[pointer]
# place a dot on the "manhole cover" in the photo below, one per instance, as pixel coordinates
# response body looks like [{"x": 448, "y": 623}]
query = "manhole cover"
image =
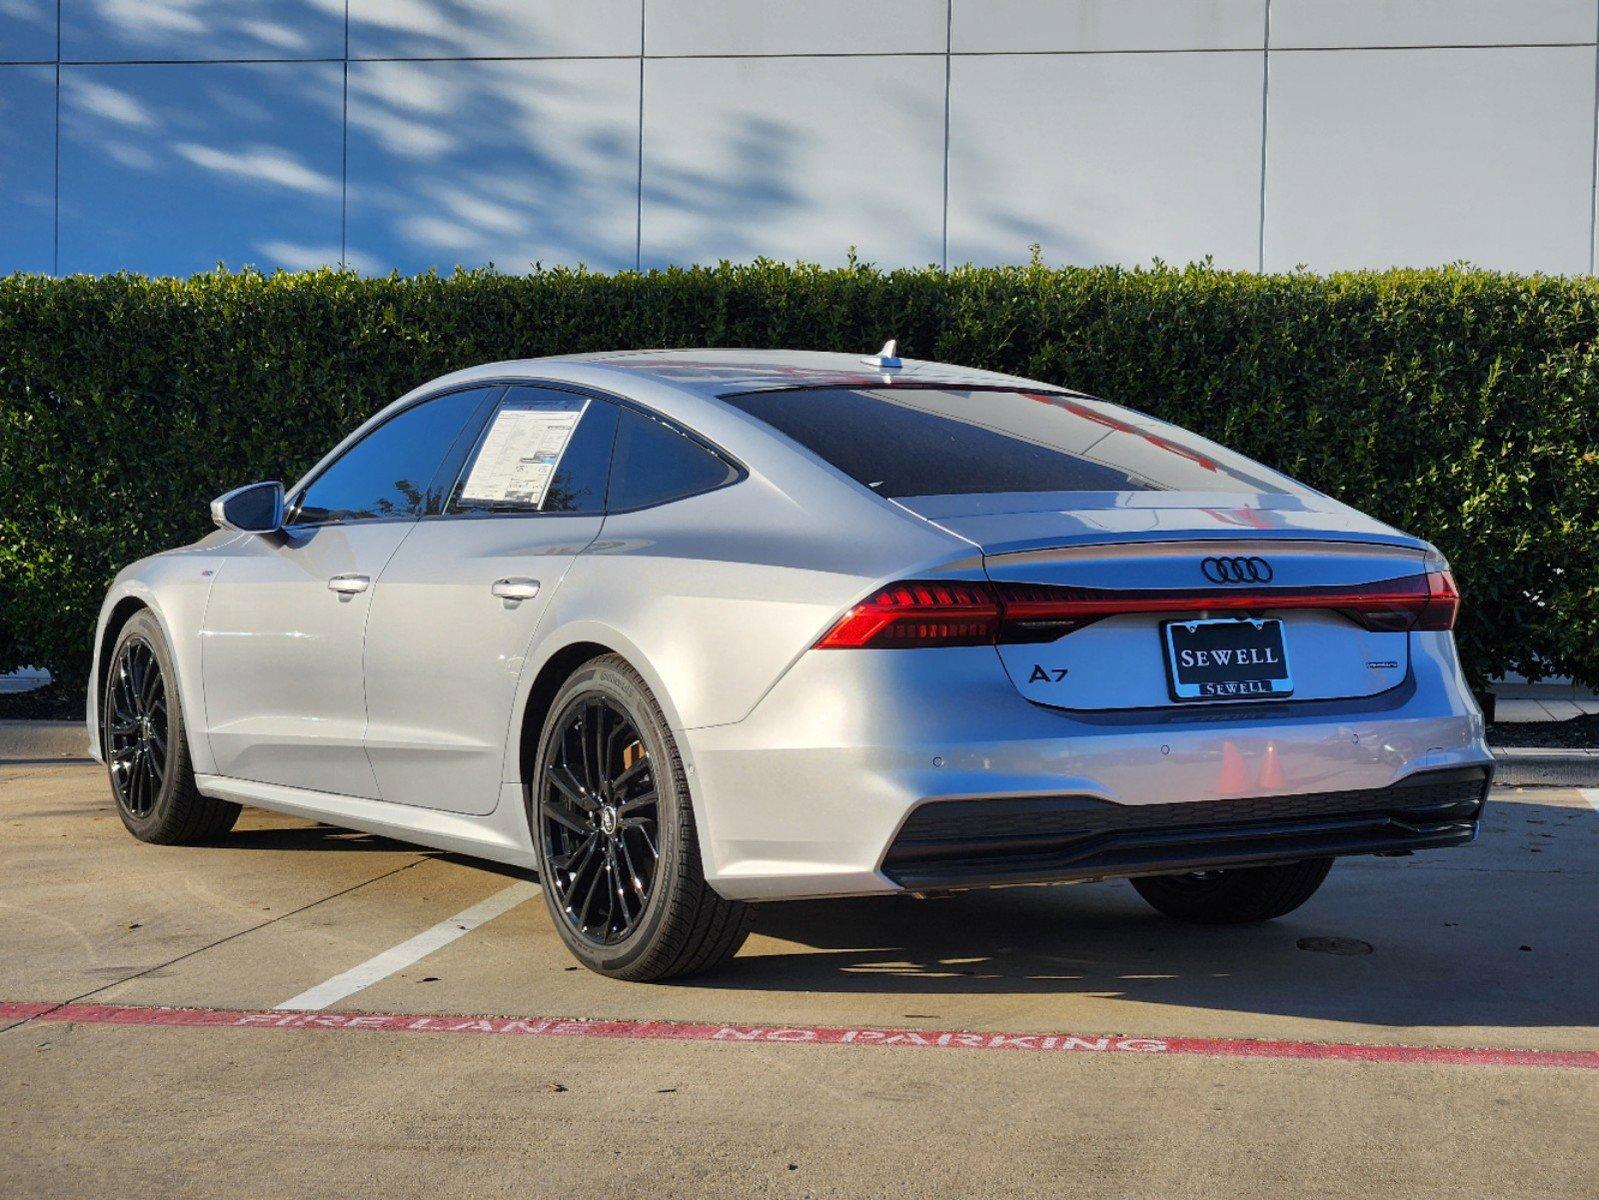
[{"x": 1335, "y": 945}]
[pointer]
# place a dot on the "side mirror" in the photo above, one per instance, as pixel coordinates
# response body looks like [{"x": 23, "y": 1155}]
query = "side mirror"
[{"x": 254, "y": 508}]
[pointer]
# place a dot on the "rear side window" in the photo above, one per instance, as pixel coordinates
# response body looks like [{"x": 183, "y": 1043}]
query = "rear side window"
[
  {"x": 541, "y": 450},
  {"x": 386, "y": 475},
  {"x": 923, "y": 441},
  {"x": 655, "y": 463}
]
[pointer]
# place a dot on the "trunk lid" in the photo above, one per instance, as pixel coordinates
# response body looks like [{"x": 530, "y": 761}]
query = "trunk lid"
[
  {"x": 1140, "y": 545},
  {"x": 1006, "y": 522}
]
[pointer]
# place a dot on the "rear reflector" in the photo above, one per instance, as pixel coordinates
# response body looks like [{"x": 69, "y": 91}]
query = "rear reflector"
[
  {"x": 1443, "y": 601},
  {"x": 926, "y": 612}
]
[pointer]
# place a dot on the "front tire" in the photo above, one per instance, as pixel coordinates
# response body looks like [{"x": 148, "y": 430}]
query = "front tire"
[
  {"x": 1236, "y": 897},
  {"x": 146, "y": 745},
  {"x": 612, "y": 823}
]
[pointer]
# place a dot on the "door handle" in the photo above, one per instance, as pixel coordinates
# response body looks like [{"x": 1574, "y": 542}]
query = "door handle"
[
  {"x": 349, "y": 585},
  {"x": 515, "y": 589}
]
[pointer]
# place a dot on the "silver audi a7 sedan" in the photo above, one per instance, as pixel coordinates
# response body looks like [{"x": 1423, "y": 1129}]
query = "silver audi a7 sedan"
[{"x": 685, "y": 630}]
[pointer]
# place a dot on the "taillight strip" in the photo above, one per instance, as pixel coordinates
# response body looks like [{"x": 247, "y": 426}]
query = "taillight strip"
[{"x": 918, "y": 613}]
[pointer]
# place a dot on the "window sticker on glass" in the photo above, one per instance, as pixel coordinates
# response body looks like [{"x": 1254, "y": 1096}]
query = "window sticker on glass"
[{"x": 520, "y": 455}]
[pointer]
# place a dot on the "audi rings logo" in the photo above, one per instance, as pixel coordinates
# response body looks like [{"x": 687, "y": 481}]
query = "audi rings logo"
[{"x": 1237, "y": 570}]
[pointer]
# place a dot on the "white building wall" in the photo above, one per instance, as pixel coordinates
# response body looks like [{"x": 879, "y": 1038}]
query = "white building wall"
[{"x": 168, "y": 135}]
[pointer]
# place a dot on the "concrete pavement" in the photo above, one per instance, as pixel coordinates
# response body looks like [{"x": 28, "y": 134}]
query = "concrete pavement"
[{"x": 1490, "y": 946}]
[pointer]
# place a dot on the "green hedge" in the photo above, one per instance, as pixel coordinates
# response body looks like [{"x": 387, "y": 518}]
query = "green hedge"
[{"x": 1458, "y": 404}]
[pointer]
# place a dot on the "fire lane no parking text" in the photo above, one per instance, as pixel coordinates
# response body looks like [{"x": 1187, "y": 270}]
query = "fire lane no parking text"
[{"x": 17, "y": 1013}]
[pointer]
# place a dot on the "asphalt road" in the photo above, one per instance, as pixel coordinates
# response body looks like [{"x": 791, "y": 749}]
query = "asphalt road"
[{"x": 719, "y": 1087}]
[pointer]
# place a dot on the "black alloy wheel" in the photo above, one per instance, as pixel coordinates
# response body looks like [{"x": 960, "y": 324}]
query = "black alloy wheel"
[
  {"x": 144, "y": 741},
  {"x": 599, "y": 817},
  {"x": 137, "y": 727},
  {"x": 613, "y": 829}
]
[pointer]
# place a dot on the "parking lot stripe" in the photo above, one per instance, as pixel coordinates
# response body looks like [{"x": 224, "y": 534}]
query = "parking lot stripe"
[
  {"x": 1591, "y": 795},
  {"x": 397, "y": 958},
  {"x": 764, "y": 1035}
]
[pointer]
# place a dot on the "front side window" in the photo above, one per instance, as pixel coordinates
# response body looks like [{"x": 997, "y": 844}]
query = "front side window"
[
  {"x": 655, "y": 463},
  {"x": 388, "y": 473},
  {"x": 935, "y": 441},
  {"x": 542, "y": 450}
]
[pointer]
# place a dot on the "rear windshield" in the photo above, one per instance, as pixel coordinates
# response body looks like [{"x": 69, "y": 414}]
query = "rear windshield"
[{"x": 922, "y": 441}]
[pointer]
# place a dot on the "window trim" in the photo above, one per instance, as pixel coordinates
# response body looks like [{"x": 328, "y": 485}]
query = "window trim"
[
  {"x": 919, "y": 385},
  {"x": 739, "y": 473},
  {"x": 739, "y": 470},
  {"x": 474, "y": 423}
]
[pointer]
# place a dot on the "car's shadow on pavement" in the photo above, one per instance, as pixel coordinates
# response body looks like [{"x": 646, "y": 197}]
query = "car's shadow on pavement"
[
  {"x": 1497, "y": 934},
  {"x": 312, "y": 837}
]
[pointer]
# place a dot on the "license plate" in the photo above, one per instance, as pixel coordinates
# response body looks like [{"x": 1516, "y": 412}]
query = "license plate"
[{"x": 1226, "y": 660}]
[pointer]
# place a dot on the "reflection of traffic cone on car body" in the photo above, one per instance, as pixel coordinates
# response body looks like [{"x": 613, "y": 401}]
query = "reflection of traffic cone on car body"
[
  {"x": 1271, "y": 770},
  {"x": 1235, "y": 779}
]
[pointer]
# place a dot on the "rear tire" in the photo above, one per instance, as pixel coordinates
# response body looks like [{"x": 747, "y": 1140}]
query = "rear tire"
[
  {"x": 613, "y": 826},
  {"x": 145, "y": 742},
  {"x": 1236, "y": 897}
]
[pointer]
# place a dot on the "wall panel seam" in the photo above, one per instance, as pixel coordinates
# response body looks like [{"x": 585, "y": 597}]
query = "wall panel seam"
[
  {"x": 638, "y": 202},
  {"x": 344, "y": 150},
  {"x": 1593, "y": 174},
  {"x": 1132, "y": 51},
  {"x": 55, "y": 196},
  {"x": 194, "y": 62},
  {"x": 1265, "y": 129},
  {"x": 949, "y": 45}
]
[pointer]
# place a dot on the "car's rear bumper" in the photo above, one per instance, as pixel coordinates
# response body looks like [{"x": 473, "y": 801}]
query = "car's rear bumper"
[
  {"x": 974, "y": 843},
  {"x": 810, "y": 794}
]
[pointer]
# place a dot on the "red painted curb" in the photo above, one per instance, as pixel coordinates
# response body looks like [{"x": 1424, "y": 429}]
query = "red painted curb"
[
  {"x": 190, "y": 1018},
  {"x": 11, "y": 1011}
]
